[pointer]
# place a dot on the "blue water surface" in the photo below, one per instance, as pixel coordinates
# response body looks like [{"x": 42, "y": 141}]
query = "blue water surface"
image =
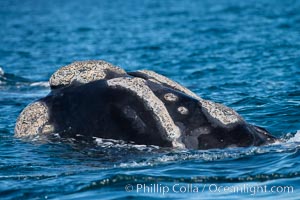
[{"x": 244, "y": 54}]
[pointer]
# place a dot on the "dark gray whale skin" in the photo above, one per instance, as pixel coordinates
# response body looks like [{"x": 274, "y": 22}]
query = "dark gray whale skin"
[{"x": 141, "y": 106}]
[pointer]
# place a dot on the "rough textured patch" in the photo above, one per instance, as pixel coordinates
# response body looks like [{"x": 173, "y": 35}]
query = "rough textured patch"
[
  {"x": 170, "y": 97},
  {"x": 33, "y": 120},
  {"x": 183, "y": 110},
  {"x": 220, "y": 115},
  {"x": 84, "y": 72},
  {"x": 168, "y": 82},
  {"x": 164, "y": 122}
]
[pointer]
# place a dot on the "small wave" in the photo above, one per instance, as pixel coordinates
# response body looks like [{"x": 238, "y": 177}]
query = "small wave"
[
  {"x": 11, "y": 79},
  {"x": 108, "y": 143},
  {"x": 295, "y": 138},
  {"x": 27, "y": 177},
  {"x": 166, "y": 157},
  {"x": 40, "y": 84},
  {"x": 1, "y": 72},
  {"x": 7, "y": 80}
]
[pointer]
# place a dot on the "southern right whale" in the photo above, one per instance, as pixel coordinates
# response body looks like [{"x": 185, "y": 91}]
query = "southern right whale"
[{"x": 98, "y": 99}]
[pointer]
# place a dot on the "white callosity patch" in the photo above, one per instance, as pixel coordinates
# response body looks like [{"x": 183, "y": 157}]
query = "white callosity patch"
[
  {"x": 84, "y": 72},
  {"x": 183, "y": 110},
  {"x": 33, "y": 120},
  {"x": 165, "y": 123},
  {"x": 170, "y": 97},
  {"x": 164, "y": 80},
  {"x": 220, "y": 115}
]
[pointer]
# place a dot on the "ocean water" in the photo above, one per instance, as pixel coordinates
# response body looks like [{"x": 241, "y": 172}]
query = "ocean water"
[{"x": 244, "y": 54}]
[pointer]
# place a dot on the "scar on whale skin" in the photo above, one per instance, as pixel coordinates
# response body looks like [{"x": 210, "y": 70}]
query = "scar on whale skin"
[{"x": 98, "y": 99}]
